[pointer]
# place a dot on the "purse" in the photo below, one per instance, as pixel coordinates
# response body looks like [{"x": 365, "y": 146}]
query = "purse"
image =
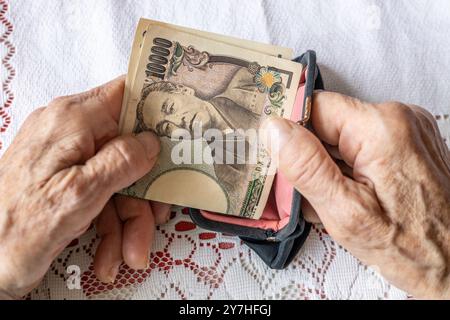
[{"x": 281, "y": 231}]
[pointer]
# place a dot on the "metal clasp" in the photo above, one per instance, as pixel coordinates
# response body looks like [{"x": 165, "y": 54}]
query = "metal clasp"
[{"x": 307, "y": 114}]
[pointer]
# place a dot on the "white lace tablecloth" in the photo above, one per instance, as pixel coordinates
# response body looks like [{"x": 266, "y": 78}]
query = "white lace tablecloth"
[{"x": 376, "y": 50}]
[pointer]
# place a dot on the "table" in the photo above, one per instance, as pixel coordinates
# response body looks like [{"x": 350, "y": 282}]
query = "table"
[{"x": 375, "y": 50}]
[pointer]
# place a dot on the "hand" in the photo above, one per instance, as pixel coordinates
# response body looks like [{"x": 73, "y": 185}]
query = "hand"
[
  {"x": 59, "y": 174},
  {"x": 378, "y": 177}
]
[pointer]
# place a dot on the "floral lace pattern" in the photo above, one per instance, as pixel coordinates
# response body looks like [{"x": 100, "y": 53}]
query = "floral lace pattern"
[
  {"x": 190, "y": 263},
  {"x": 7, "y": 51}
]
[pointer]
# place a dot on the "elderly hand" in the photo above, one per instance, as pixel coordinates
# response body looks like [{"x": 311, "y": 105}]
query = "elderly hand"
[
  {"x": 59, "y": 174},
  {"x": 378, "y": 178}
]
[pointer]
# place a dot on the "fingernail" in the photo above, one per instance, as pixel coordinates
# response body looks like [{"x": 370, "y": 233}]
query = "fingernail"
[
  {"x": 142, "y": 263},
  {"x": 275, "y": 133},
  {"x": 145, "y": 264},
  {"x": 167, "y": 217},
  {"x": 150, "y": 143},
  {"x": 113, "y": 272}
]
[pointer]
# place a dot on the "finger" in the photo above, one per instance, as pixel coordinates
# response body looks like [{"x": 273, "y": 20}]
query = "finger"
[
  {"x": 331, "y": 112},
  {"x": 333, "y": 151},
  {"x": 103, "y": 107},
  {"x": 337, "y": 119},
  {"x": 309, "y": 213},
  {"x": 306, "y": 163},
  {"x": 120, "y": 163},
  {"x": 426, "y": 115},
  {"x": 116, "y": 166},
  {"x": 138, "y": 230},
  {"x": 97, "y": 109},
  {"x": 103, "y": 100},
  {"x": 345, "y": 168},
  {"x": 161, "y": 212},
  {"x": 108, "y": 256},
  {"x": 429, "y": 123},
  {"x": 109, "y": 97}
]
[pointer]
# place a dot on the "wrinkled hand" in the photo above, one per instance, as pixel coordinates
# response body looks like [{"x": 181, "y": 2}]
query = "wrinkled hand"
[
  {"x": 59, "y": 174},
  {"x": 378, "y": 178}
]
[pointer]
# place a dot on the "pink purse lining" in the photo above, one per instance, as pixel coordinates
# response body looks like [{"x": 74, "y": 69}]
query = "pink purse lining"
[{"x": 278, "y": 209}]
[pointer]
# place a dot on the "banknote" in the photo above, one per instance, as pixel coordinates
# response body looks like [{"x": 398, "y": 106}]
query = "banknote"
[
  {"x": 205, "y": 96},
  {"x": 144, "y": 24}
]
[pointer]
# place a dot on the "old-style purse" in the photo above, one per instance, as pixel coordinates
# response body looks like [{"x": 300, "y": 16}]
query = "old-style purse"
[{"x": 281, "y": 231}]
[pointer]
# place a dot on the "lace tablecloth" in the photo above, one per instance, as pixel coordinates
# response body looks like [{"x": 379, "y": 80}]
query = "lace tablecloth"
[{"x": 377, "y": 50}]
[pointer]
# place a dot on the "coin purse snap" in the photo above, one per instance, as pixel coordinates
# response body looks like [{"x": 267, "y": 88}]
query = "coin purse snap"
[{"x": 281, "y": 231}]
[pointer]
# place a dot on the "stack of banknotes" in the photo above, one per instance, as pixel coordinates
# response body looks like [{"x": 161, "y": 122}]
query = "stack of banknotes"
[{"x": 205, "y": 96}]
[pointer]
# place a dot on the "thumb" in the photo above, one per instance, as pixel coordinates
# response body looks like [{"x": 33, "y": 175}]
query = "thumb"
[
  {"x": 304, "y": 161},
  {"x": 122, "y": 161}
]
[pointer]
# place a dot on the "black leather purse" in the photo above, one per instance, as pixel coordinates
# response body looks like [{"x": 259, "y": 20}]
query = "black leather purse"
[{"x": 281, "y": 231}]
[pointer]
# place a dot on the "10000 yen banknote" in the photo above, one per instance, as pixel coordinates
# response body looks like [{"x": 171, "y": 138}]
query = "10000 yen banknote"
[
  {"x": 206, "y": 96},
  {"x": 145, "y": 24}
]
